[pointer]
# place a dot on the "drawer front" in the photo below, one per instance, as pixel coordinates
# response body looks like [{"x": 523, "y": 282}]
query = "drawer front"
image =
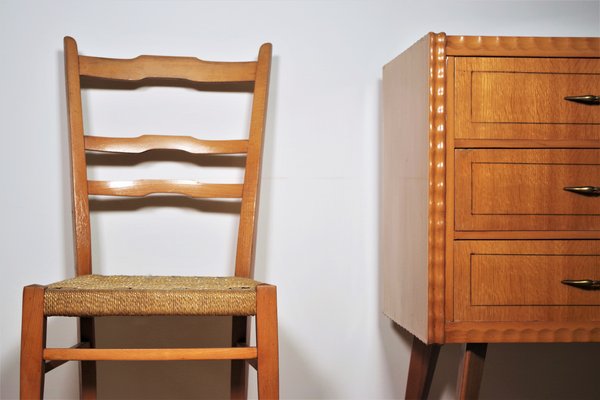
[
  {"x": 514, "y": 98},
  {"x": 521, "y": 280},
  {"x": 524, "y": 189}
]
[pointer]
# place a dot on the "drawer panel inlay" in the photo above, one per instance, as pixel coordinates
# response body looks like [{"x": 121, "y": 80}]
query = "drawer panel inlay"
[
  {"x": 532, "y": 279},
  {"x": 525, "y": 189},
  {"x": 524, "y": 98},
  {"x": 521, "y": 280}
]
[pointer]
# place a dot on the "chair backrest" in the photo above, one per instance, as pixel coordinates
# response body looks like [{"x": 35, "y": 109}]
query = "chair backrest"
[{"x": 172, "y": 69}]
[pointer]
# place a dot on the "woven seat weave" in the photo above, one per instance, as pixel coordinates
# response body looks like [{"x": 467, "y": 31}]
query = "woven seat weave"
[{"x": 118, "y": 295}]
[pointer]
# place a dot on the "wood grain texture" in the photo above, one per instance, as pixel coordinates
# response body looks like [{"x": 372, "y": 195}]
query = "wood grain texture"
[
  {"x": 523, "y": 189},
  {"x": 145, "y": 143},
  {"x": 494, "y": 104},
  {"x": 33, "y": 341},
  {"x": 267, "y": 342},
  {"x": 437, "y": 187},
  {"x": 513, "y": 46},
  {"x": 404, "y": 189},
  {"x": 244, "y": 262},
  {"x": 520, "y": 280},
  {"x": 145, "y": 187},
  {"x": 471, "y": 371},
  {"x": 238, "y": 353},
  {"x": 414, "y": 173},
  {"x": 450, "y": 185},
  {"x": 469, "y": 235},
  {"x": 142, "y": 68},
  {"x": 423, "y": 359},
  {"x": 499, "y": 100},
  {"x": 498, "y": 97},
  {"x": 523, "y": 332},
  {"x": 520, "y": 143},
  {"x": 81, "y": 210},
  {"x": 188, "y": 68},
  {"x": 50, "y": 365},
  {"x": 532, "y": 279}
]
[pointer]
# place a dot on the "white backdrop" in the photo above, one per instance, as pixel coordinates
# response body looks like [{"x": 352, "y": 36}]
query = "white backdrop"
[{"x": 318, "y": 230}]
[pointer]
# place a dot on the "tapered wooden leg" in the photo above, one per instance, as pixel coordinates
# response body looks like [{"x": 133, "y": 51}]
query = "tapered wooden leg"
[
  {"x": 423, "y": 359},
  {"x": 267, "y": 342},
  {"x": 471, "y": 371},
  {"x": 87, "y": 334},
  {"x": 239, "y": 368},
  {"x": 33, "y": 341}
]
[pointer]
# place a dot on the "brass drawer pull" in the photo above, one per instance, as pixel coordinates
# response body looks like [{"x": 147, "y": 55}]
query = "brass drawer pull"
[
  {"x": 588, "y": 99},
  {"x": 584, "y": 190},
  {"x": 585, "y": 284}
]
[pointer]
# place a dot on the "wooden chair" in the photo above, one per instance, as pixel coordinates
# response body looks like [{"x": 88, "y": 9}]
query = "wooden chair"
[{"x": 87, "y": 295}]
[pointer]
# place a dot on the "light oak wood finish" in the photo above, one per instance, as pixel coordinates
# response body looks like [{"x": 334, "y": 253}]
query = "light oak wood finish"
[
  {"x": 33, "y": 341},
  {"x": 81, "y": 208},
  {"x": 520, "y": 143},
  {"x": 267, "y": 342},
  {"x": 523, "y": 189},
  {"x": 35, "y": 358},
  {"x": 145, "y": 143},
  {"x": 414, "y": 296},
  {"x": 515, "y": 46},
  {"x": 164, "y": 67},
  {"x": 521, "y": 280},
  {"x": 523, "y": 98},
  {"x": 244, "y": 262},
  {"x": 146, "y": 187},
  {"x": 150, "y": 354},
  {"x": 494, "y": 136},
  {"x": 522, "y": 332}
]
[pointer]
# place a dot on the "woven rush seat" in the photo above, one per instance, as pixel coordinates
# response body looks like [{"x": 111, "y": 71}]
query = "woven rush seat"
[{"x": 118, "y": 295}]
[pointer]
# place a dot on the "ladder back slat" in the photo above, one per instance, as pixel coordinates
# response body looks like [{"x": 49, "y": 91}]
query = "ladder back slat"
[
  {"x": 145, "y": 187},
  {"x": 144, "y": 143},
  {"x": 188, "y": 68}
]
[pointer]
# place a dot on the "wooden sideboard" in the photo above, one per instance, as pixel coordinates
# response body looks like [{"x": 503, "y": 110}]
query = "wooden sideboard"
[{"x": 490, "y": 219}]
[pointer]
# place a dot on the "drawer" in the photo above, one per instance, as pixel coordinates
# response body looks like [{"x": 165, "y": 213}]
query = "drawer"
[
  {"x": 523, "y": 98},
  {"x": 521, "y": 280},
  {"x": 523, "y": 189}
]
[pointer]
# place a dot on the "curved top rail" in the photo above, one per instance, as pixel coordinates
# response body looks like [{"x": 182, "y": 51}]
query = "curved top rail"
[
  {"x": 144, "y": 143},
  {"x": 166, "y": 67}
]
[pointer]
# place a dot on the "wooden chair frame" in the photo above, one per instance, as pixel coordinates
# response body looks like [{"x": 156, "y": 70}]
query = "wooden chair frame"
[{"x": 36, "y": 359}]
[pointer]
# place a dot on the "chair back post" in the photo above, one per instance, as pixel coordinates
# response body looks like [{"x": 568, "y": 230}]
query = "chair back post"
[
  {"x": 178, "y": 68},
  {"x": 81, "y": 211},
  {"x": 246, "y": 245}
]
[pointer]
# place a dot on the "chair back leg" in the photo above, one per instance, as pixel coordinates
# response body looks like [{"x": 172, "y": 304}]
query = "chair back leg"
[
  {"x": 33, "y": 341},
  {"x": 239, "y": 368},
  {"x": 87, "y": 334}
]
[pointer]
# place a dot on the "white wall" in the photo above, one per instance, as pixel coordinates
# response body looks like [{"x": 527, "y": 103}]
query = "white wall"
[{"x": 318, "y": 224}]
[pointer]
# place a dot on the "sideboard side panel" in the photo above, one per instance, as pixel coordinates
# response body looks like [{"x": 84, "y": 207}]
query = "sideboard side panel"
[{"x": 405, "y": 188}]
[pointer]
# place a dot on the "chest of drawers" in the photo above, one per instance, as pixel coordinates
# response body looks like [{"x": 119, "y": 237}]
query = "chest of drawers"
[{"x": 490, "y": 219}]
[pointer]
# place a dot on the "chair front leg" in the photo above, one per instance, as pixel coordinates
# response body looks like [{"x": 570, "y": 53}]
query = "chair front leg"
[
  {"x": 33, "y": 341},
  {"x": 267, "y": 342}
]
